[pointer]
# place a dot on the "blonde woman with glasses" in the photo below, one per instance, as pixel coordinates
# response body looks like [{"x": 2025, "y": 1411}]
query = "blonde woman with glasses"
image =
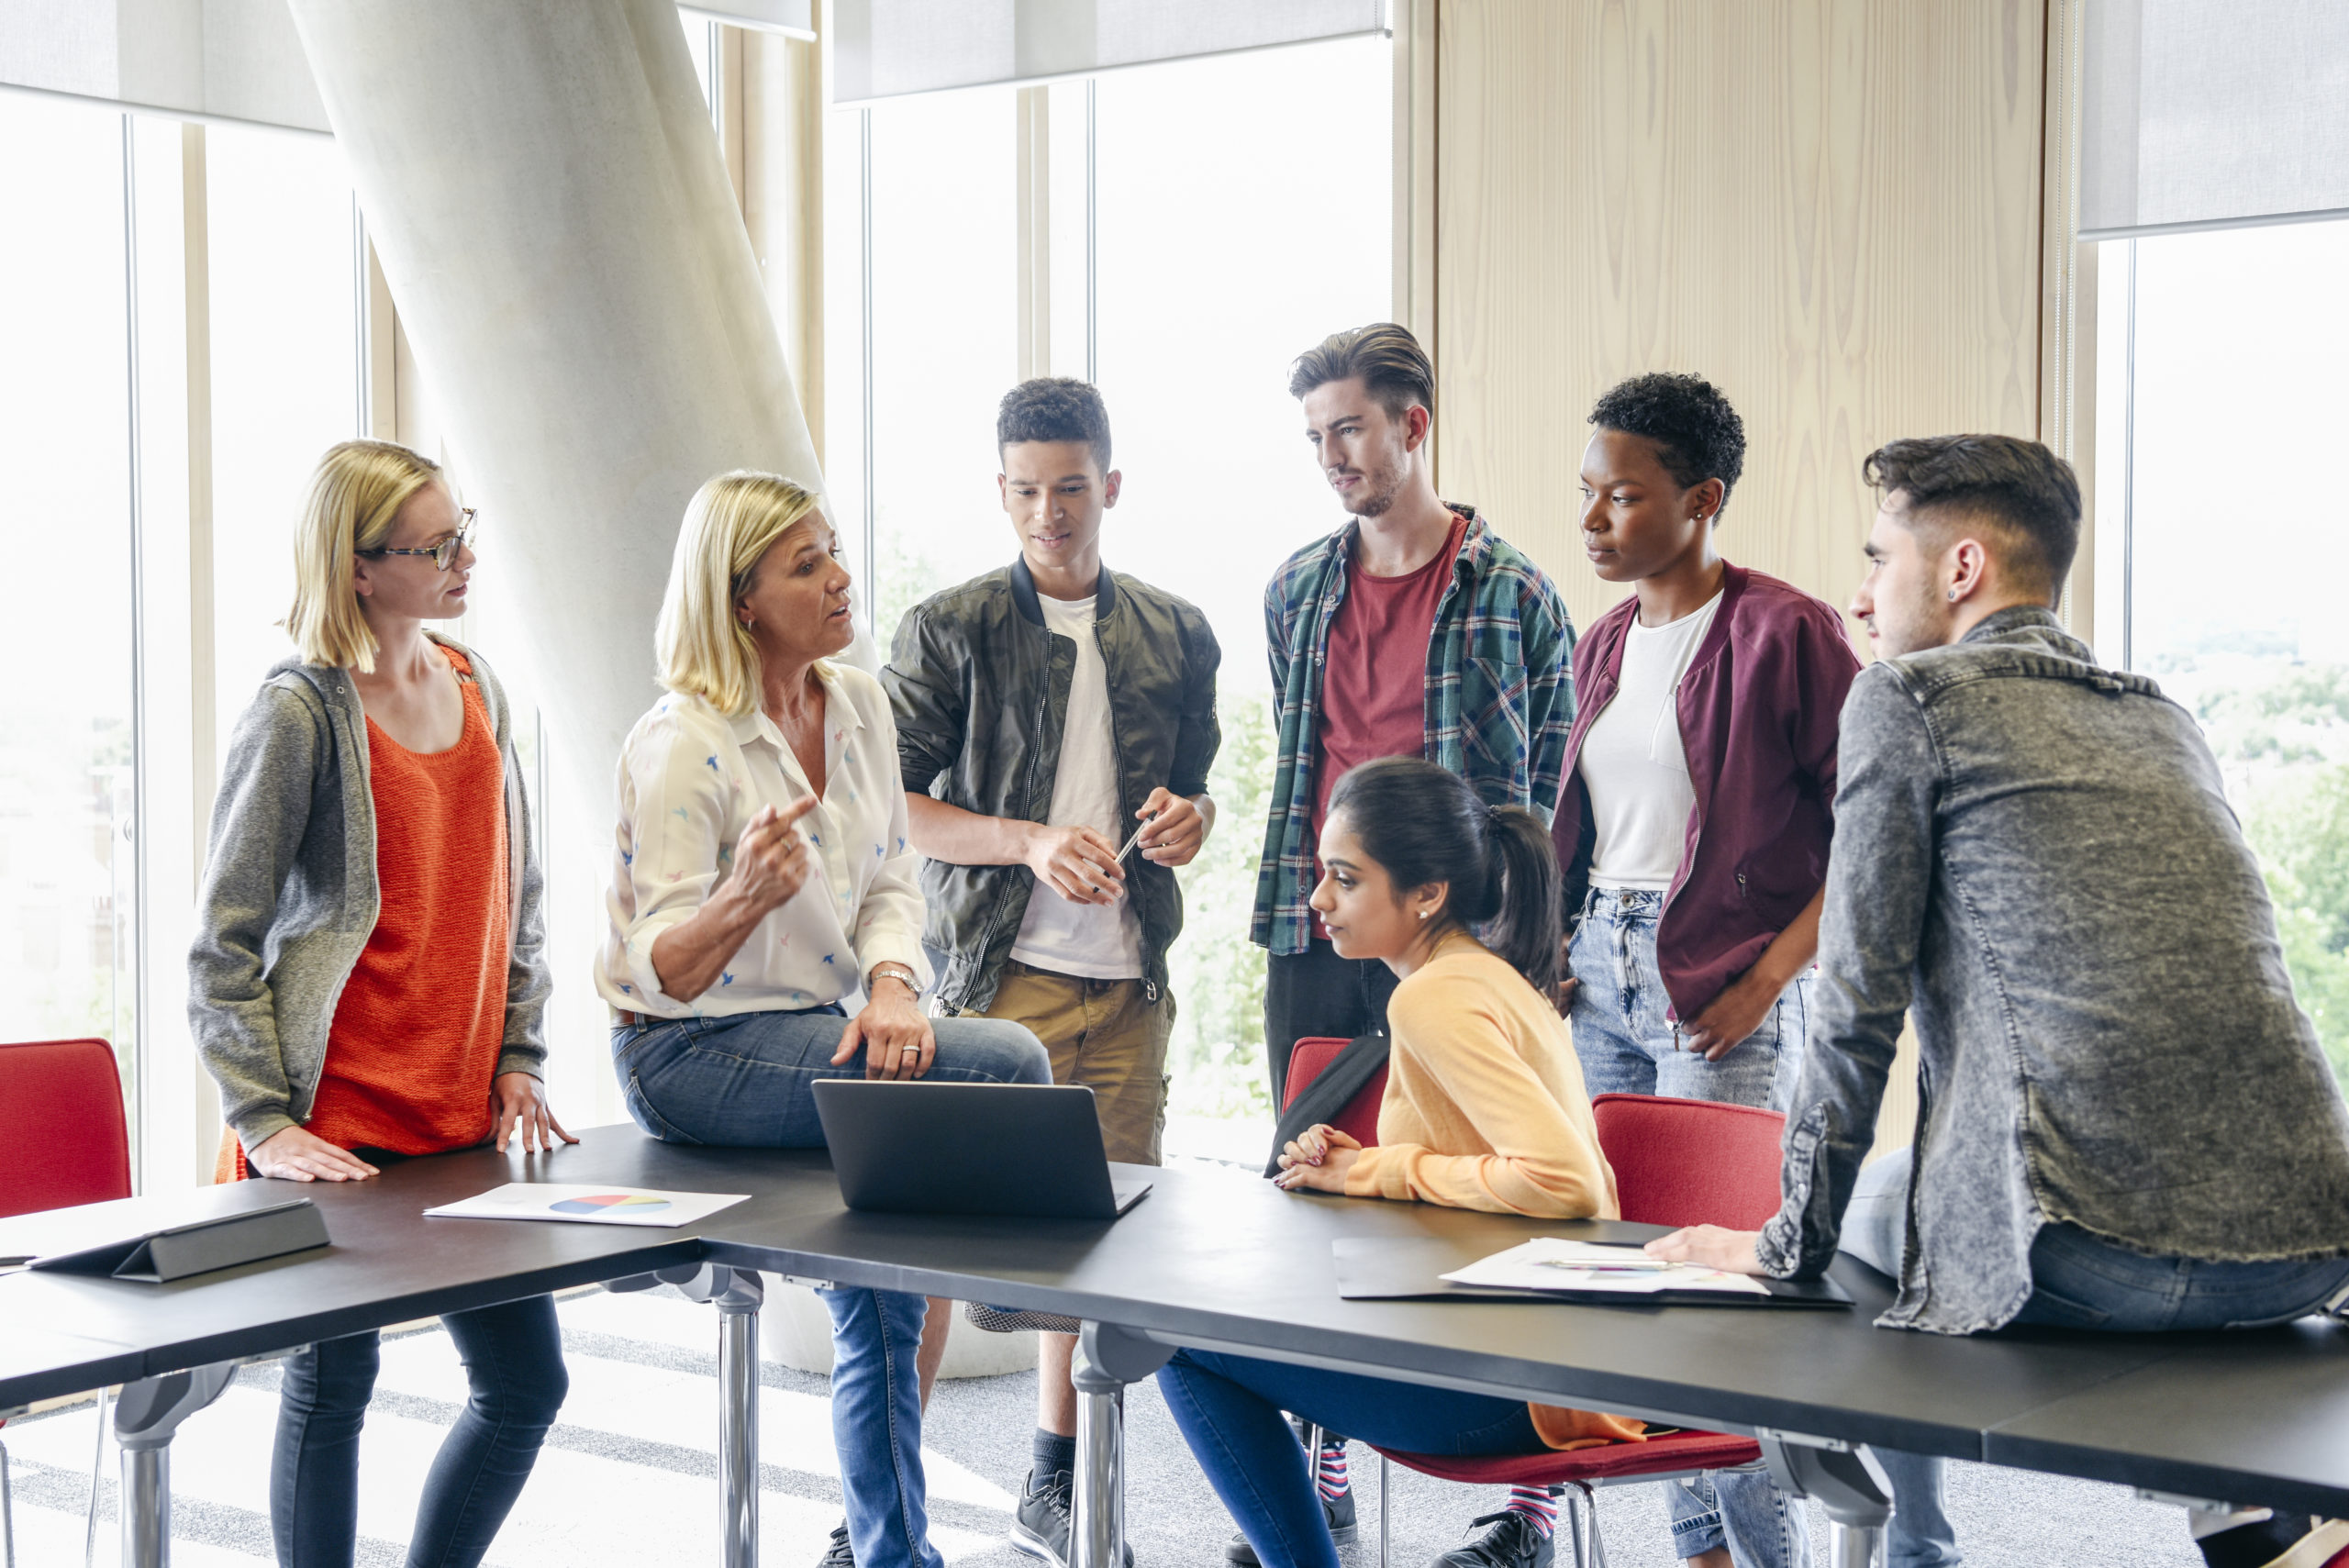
[
  {"x": 367, "y": 982},
  {"x": 761, "y": 880}
]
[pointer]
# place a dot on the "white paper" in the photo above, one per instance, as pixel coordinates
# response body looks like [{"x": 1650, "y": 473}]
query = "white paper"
[
  {"x": 576, "y": 1202},
  {"x": 1548, "y": 1262}
]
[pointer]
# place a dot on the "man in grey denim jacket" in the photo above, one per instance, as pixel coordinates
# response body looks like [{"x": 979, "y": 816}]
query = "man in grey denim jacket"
[{"x": 2124, "y": 1120}]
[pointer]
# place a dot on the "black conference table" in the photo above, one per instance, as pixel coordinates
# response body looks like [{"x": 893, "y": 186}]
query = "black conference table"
[{"x": 1205, "y": 1261}]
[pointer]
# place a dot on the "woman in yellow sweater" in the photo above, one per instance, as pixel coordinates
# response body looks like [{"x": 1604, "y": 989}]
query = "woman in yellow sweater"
[{"x": 1485, "y": 1109}]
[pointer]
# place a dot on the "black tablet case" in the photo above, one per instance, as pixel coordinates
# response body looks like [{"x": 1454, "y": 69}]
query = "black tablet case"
[{"x": 157, "y": 1257}]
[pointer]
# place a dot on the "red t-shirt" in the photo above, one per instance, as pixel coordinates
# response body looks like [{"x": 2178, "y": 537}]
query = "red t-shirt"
[{"x": 1374, "y": 681}]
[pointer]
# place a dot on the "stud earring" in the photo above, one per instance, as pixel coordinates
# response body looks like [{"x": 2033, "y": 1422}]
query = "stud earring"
[
  {"x": 1423, "y": 913},
  {"x": 1952, "y": 596}
]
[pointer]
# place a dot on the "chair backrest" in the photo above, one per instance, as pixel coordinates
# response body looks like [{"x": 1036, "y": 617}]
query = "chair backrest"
[
  {"x": 1691, "y": 1162},
  {"x": 1359, "y": 1121},
  {"x": 63, "y": 1139}
]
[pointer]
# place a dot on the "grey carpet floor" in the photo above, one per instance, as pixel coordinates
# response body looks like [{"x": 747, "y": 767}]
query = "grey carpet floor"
[{"x": 629, "y": 1474}]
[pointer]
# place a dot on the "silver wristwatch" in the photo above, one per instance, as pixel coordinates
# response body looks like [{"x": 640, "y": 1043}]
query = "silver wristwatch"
[{"x": 892, "y": 970}]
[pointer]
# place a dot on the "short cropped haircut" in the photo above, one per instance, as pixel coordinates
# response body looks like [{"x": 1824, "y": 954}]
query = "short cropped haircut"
[
  {"x": 703, "y": 648},
  {"x": 1698, "y": 435},
  {"x": 1054, "y": 408},
  {"x": 2020, "y": 488},
  {"x": 355, "y": 496},
  {"x": 1394, "y": 369}
]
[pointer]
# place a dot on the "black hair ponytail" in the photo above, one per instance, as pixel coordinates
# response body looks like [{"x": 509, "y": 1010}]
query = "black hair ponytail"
[{"x": 1422, "y": 824}]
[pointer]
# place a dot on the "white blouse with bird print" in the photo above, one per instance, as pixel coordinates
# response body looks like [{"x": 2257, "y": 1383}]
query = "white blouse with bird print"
[{"x": 690, "y": 781}]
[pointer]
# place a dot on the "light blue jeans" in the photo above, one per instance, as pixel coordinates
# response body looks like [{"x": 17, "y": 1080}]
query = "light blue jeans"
[
  {"x": 1627, "y": 1046},
  {"x": 1627, "y": 1042},
  {"x": 2079, "y": 1282},
  {"x": 1876, "y": 1230},
  {"x": 741, "y": 1081}
]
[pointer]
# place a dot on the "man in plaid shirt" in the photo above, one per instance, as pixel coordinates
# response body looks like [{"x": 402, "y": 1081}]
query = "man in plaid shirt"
[{"x": 1414, "y": 630}]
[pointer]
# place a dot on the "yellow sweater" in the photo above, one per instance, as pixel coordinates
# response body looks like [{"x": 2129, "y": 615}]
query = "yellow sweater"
[{"x": 1484, "y": 1108}]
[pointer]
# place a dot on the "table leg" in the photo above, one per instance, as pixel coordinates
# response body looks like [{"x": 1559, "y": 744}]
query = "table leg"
[
  {"x": 1097, "y": 1522},
  {"x": 7, "y": 1513},
  {"x": 1854, "y": 1546},
  {"x": 738, "y": 1294},
  {"x": 1108, "y": 1358},
  {"x": 1848, "y": 1483},
  {"x": 737, "y": 1429},
  {"x": 145, "y": 1416}
]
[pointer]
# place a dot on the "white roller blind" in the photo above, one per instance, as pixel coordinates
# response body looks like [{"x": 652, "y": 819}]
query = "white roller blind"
[
  {"x": 2212, "y": 114},
  {"x": 886, "y": 49},
  {"x": 230, "y": 60}
]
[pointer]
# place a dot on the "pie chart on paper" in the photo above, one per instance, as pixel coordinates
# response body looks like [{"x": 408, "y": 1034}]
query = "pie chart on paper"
[
  {"x": 618, "y": 1206},
  {"x": 588, "y": 1203}
]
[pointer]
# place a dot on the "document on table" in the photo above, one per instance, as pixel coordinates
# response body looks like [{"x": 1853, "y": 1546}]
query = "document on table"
[
  {"x": 1548, "y": 1263},
  {"x": 576, "y": 1204}
]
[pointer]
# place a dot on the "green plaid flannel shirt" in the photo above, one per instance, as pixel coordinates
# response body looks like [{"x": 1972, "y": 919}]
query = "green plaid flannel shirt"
[{"x": 1500, "y": 698}]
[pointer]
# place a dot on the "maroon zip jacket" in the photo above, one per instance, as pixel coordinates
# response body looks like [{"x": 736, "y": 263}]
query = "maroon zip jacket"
[{"x": 1758, "y": 710}]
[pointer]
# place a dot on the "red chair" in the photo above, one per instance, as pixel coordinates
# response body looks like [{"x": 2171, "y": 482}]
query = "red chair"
[
  {"x": 1690, "y": 1161},
  {"x": 1359, "y": 1121},
  {"x": 1677, "y": 1162},
  {"x": 63, "y": 1141}
]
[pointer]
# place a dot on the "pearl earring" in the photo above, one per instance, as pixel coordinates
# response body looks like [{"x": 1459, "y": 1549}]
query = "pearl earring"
[{"x": 1423, "y": 913}]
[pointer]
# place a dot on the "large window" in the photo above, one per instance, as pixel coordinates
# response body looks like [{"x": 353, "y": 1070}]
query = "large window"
[
  {"x": 66, "y": 867},
  {"x": 1204, "y": 222},
  {"x": 1228, "y": 244},
  {"x": 2221, "y": 543},
  {"x": 175, "y": 350},
  {"x": 285, "y": 375},
  {"x": 943, "y": 269}
]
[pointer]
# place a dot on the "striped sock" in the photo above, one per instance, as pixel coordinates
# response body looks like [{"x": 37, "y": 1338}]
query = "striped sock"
[
  {"x": 1536, "y": 1504},
  {"x": 1329, "y": 1472}
]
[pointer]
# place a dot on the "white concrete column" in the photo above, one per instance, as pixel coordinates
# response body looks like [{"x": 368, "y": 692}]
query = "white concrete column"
[{"x": 561, "y": 238}]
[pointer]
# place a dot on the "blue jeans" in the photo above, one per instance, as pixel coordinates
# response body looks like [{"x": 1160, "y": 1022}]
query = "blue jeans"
[
  {"x": 1228, "y": 1411},
  {"x": 876, "y": 1426},
  {"x": 741, "y": 1082},
  {"x": 2079, "y": 1282},
  {"x": 1628, "y": 1046},
  {"x": 1876, "y": 1230},
  {"x": 513, "y": 1355}
]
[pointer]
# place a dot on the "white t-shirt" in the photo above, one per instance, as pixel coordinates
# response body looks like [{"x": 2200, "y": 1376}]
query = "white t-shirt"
[
  {"x": 1094, "y": 941},
  {"x": 1632, "y": 759}
]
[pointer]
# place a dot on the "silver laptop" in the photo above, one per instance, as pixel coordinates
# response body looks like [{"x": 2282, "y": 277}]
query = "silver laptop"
[{"x": 913, "y": 1147}]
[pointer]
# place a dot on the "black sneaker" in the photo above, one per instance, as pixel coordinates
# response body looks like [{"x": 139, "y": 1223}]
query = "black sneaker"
[
  {"x": 2284, "y": 1541},
  {"x": 1040, "y": 1524},
  {"x": 839, "y": 1553},
  {"x": 1514, "y": 1541},
  {"x": 1338, "y": 1512}
]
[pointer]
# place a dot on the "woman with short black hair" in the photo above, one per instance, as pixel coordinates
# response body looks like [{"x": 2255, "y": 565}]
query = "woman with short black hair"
[{"x": 1696, "y": 817}]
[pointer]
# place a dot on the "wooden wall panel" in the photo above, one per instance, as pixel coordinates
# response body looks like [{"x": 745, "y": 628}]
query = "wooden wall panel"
[{"x": 1831, "y": 208}]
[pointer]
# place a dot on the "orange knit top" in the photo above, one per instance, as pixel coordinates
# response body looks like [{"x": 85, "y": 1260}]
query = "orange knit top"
[{"x": 421, "y": 1022}]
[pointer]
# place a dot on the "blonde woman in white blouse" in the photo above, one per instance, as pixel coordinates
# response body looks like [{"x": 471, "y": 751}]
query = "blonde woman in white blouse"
[{"x": 761, "y": 878}]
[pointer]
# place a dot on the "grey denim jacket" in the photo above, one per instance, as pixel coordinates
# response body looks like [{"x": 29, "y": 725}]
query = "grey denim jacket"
[
  {"x": 290, "y": 897},
  {"x": 2034, "y": 858}
]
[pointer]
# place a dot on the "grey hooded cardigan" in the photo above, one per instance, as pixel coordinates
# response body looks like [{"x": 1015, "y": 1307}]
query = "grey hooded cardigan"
[{"x": 290, "y": 896}]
